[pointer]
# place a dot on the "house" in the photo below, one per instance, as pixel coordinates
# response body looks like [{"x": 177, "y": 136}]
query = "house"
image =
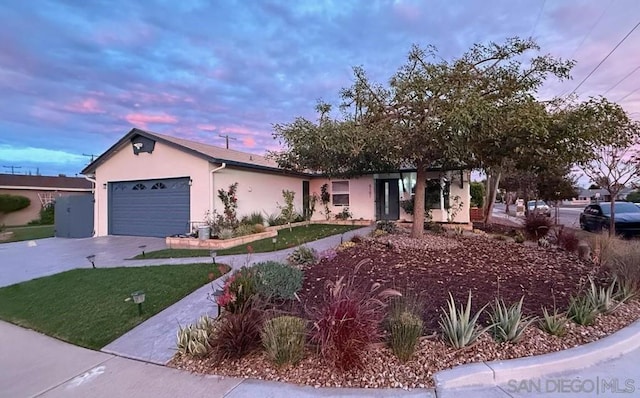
[
  {"x": 41, "y": 190},
  {"x": 588, "y": 196},
  {"x": 150, "y": 184}
]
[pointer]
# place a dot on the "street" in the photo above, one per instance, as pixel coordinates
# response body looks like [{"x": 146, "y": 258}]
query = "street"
[{"x": 568, "y": 215}]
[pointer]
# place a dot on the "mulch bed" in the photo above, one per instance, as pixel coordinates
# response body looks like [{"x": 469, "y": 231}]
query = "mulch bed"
[{"x": 432, "y": 267}]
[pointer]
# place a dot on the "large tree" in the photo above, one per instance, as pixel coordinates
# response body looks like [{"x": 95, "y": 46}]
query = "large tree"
[{"x": 433, "y": 113}]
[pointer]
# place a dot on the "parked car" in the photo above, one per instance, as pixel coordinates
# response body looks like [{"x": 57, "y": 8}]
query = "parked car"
[
  {"x": 538, "y": 207},
  {"x": 596, "y": 217}
]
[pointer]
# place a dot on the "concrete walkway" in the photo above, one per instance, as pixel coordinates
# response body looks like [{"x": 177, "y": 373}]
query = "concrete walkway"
[{"x": 155, "y": 339}]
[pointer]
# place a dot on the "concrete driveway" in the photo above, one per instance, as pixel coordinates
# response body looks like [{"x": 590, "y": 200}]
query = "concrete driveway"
[{"x": 23, "y": 261}]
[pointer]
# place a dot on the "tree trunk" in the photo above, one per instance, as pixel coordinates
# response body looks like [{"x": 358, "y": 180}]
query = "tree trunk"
[
  {"x": 612, "y": 219},
  {"x": 491, "y": 196},
  {"x": 418, "y": 202}
]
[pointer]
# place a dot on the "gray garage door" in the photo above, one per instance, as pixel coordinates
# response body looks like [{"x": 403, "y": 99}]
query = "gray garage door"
[{"x": 149, "y": 208}]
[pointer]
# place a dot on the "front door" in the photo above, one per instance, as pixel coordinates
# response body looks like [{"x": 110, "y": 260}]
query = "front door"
[
  {"x": 306, "y": 211},
  {"x": 388, "y": 199}
]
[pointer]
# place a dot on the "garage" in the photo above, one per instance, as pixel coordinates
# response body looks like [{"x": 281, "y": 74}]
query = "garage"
[{"x": 158, "y": 207}]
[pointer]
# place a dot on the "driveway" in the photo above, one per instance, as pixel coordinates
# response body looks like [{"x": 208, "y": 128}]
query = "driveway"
[{"x": 23, "y": 261}]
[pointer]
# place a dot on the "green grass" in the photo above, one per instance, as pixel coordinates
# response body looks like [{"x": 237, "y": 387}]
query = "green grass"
[
  {"x": 87, "y": 307},
  {"x": 30, "y": 232},
  {"x": 286, "y": 239}
]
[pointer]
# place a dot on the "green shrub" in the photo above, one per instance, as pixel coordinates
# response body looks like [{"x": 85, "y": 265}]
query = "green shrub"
[
  {"x": 275, "y": 220},
  {"x": 345, "y": 214},
  {"x": 519, "y": 237},
  {"x": 238, "y": 289},
  {"x": 387, "y": 226},
  {"x": 405, "y": 331},
  {"x": 12, "y": 203},
  {"x": 47, "y": 215},
  {"x": 303, "y": 255},
  {"x": 255, "y": 218},
  {"x": 458, "y": 326},
  {"x": 277, "y": 280},
  {"x": 622, "y": 259},
  {"x": 244, "y": 229},
  {"x": 582, "y": 310},
  {"x": 194, "y": 340},
  {"x": 283, "y": 339},
  {"x": 226, "y": 234},
  {"x": 508, "y": 324},
  {"x": 555, "y": 324},
  {"x": 477, "y": 194}
]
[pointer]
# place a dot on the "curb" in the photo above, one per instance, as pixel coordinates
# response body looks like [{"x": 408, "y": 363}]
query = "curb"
[{"x": 492, "y": 374}]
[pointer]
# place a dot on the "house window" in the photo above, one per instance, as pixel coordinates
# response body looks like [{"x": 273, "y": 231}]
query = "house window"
[
  {"x": 139, "y": 187},
  {"x": 159, "y": 185},
  {"x": 340, "y": 193},
  {"x": 432, "y": 194}
]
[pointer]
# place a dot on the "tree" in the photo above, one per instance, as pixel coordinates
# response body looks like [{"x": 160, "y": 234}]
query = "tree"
[
  {"x": 613, "y": 169},
  {"x": 477, "y": 194},
  {"x": 634, "y": 197},
  {"x": 434, "y": 113}
]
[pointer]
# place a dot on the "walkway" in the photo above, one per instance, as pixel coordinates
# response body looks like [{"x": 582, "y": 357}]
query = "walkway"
[{"x": 155, "y": 339}]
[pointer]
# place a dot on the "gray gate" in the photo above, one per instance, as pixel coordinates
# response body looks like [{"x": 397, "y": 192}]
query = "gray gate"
[
  {"x": 74, "y": 216},
  {"x": 149, "y": 207}
]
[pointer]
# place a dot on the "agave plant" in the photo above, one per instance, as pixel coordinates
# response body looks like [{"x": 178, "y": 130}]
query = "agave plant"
[
  {"x": 554, "y": 323},
  {"x": 508, "y": 322},
  {"x": 605, "y": 299},
  {"x": 458, "y": 326},
  {"x": 582, "y": 310},
  {"x": 194, "y": 339}
]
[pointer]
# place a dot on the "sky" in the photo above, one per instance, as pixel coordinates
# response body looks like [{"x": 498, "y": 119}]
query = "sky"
[{"x": 76, "y": 76}]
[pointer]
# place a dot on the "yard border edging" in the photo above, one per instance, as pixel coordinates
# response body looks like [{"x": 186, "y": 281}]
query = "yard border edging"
[{"x": 495, "y": 373}]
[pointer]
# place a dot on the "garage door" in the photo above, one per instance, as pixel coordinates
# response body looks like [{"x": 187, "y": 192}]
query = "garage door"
[{"x": 149, "y": 208}]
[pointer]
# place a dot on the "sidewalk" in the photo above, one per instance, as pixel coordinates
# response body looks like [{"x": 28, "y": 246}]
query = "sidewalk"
[{"x": 155, "y": 339}]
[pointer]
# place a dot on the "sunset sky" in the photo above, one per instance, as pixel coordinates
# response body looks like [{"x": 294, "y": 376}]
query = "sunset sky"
[{"x": 75, "y": 76}]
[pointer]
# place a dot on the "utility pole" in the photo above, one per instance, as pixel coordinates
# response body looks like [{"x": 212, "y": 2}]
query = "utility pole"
[
  {"x": 227, "y": 138},
  {"x": 13, "y": 168}
]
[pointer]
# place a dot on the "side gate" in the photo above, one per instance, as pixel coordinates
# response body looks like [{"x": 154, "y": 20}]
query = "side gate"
[{"x": 74, "y": 216}]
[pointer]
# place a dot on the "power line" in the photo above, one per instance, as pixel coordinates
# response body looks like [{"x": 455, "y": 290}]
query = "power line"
[
  {"x": 623, "y": 79},
  {"x": 628, "y": 94},
  {"x": 535, "y": 25},
  {"x": 591, "y": 29},
  {"x": 13, "y": 168},
  {"x": 227, "y": 138},
  {"x": 605, "y": 58}
]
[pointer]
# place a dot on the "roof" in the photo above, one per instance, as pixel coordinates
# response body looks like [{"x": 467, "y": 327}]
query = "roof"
[
  {"x": 589, "y": 193},
  {"x": 46, "y": 182},
  {"x": 208, "y": 152}
]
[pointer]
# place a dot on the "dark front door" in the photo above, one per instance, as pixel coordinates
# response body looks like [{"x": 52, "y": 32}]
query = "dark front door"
[
  {"x": 388, "y": 199},
  {"x": 305, "y": 200}
]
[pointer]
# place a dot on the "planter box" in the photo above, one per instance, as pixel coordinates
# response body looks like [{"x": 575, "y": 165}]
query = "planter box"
[
  {"x": 6, "y": 235},
  {"x": 476, "y": 214},
  {"x": 329, "y": 222},
  {"x": 195, "y": 243}
]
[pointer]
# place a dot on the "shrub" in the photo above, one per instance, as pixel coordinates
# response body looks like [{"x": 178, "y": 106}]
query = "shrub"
[
  {"x": 345, "y": 214},
  {"x": 12, "y": 203},
  {"x": 277, "y": 280},
  {"x": 347, "y": 322},
  {"x": 604, "y": 299},
  {"x": 434, "y": 227},
  {"x": 283, "y": 339},
  {"x": 582, "y": 310},
  {"x": 555, "y": 324},
  {"x": 303, "y": 255},
  {"x": 537, "y": 226},
  {"x": 477, "y": 194},
  {"x": 259, "y": 228},
  {"x": 226, "y": 234},
  {"x": 405, "y": 325},
  {"x": 194, "y": 340},
  {"x": 274, "y": 220},
  {"x": 47, "y": 215},
  {"x": 244, "y": 229},
  {"x": 566, "y": 239},
  {"x": 237, "y": 334},
  {"x": 356, "y": 239},
  {"x": 255, "y": 218},
  {"x": 508, "y": 324},
  {"x": 458, "y": 326},
  {"x": 519, "y": 237},
  {"x": 387, "y": 226},
  {"x": 622, "y": 259},
  {"x": 237, "y": 290}
]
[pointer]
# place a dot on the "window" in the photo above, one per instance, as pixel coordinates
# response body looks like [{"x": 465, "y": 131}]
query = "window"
[
  {"x": 139, "y": 187},
  {"x": 340, "y": 193},
  {"x": 432, "y": 194},
  {"x": 159, "y": 185}
]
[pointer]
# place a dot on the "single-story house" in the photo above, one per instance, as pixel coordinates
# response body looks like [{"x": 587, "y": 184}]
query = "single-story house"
[
  {"x": 588, "y": 196},
  {"x": 150, "y": 184},
  {"x": 41, "y": 190}
]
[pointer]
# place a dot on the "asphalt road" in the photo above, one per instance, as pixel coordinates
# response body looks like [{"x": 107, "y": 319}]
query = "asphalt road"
[{"x": 567, "y": 215}]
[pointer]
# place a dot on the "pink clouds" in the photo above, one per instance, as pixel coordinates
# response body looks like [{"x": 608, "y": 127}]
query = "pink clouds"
[
  {"x": 86, "y": 106},
  {"x": 142, "y": 120},
  {"x": 249, "y": 142},
  {"x": 206, "y": 127}
]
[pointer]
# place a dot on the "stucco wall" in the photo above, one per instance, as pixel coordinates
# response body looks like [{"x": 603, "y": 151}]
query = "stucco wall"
[
  {"x": 164, "y": 162},
  {"x": 32, "y": 212},
  {"x": 257, "y": 191},
  {"x": 361, "y": 198}
]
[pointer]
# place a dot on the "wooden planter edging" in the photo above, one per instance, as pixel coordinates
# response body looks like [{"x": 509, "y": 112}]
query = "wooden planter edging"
[{"x": 195, "y": 243}]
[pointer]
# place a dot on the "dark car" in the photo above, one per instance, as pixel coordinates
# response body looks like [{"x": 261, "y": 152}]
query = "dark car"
[{"x": 596, "y": 217}]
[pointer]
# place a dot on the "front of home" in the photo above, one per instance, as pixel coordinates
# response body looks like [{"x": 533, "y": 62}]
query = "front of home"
[{"x": 148, "y": 184}]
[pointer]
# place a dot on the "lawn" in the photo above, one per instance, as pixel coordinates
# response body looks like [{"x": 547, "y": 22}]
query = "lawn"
[
  {"x": 87, "y": 307},
  {"x": 286, "y": 239},
  {"x": 30, "y": 232}
]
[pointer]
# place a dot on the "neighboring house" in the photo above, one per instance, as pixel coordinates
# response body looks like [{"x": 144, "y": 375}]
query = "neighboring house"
[
  {"x": 41, "y": 190},
  {"x": 588, "y": 196},
  {"x": 149, "y": 184}
]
